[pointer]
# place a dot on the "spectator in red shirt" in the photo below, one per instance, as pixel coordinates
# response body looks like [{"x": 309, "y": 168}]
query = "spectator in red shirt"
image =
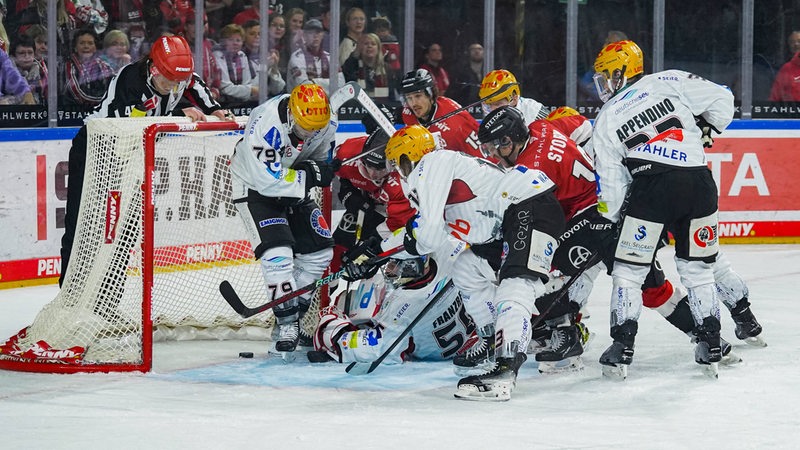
[{"x": 433, "y": 64}]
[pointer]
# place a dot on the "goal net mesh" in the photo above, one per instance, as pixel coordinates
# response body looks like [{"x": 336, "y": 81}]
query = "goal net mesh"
[{"x": 96, "y": 322}]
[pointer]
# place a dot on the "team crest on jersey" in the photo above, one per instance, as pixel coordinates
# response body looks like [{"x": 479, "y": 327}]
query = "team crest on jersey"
[{"x": 319, "y": 224}]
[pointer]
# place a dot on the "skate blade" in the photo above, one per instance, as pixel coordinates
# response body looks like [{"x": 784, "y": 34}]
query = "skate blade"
[
  {"x": 568, "y": 365},
  {"x": 730, "y": 359},
  {"x": 618, "y": 372},
  {"x": 755, "y": 341},
  {"x": 497, "y": 393},
  {"x": 710, "y": 370}
]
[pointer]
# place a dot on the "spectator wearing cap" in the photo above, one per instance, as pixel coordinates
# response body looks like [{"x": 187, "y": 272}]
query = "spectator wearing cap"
[{"x": 311, "y": 62}]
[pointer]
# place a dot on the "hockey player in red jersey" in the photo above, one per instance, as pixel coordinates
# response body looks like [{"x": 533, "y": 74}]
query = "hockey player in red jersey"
[
  {"x": 424, "y": 105},
  {"x": 372, "y": 197}
]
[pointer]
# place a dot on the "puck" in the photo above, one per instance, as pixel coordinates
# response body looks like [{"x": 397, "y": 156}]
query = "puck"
[{"x": 245, "y": 354}]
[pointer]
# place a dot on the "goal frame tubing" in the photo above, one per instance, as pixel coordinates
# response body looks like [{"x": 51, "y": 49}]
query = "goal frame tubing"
[{"x": 149, "y": 140}]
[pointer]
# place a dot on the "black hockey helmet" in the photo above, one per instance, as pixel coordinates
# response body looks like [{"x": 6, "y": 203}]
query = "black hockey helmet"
[
  {"x": 376, "y": 159},
  {"x": 417, "y": 80},
  {"x": 503, "y": 122}
]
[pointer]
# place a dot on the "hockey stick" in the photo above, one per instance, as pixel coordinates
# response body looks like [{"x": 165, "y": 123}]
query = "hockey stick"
[
  {"x": 352, "y": 91},
  {"x": 358, "y": 368},
  {"x": 502, "y": 90},
  {"x": 233, "y": 299}
]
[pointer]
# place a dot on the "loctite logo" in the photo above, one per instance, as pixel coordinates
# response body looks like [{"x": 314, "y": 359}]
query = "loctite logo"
[{"x": 112, "y": 215}]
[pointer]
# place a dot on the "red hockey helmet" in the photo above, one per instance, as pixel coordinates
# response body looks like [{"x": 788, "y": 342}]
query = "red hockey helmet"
[{"x": 171, "y": 56}]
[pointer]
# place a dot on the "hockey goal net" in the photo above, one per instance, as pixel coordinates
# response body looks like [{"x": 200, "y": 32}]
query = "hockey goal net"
[{"x": 156, "y": 235}]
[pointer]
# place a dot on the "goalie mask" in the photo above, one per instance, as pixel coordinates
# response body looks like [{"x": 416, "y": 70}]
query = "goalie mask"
[
  {"x": 309, "y": 110},
  {"x": 615, "y": 65},
  {"x": 398, "y": 272},
  {"x": 407, "y": 146}
]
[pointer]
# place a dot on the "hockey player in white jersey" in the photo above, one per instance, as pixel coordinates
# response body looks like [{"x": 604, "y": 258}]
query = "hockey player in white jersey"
[
  {"x": 504, "y": 80},
  {"x": 653, "y": 177},
  {"x": 462, "y": 199},
  {"x": 285, "y": 151},
  {"x": 367, "y": 319}
]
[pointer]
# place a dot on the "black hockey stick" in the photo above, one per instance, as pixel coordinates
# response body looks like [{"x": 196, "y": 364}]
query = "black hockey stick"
[
  {"x": 502, "y": 90},
  {"x": 233, "y": 299},
  {"x": 358, "y": 368}
]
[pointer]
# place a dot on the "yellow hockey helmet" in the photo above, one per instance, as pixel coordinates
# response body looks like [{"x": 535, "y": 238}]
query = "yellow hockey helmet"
[
  {"x": 309, "y": 107},
  {"x": 495, "y": 81},
  {"x": 562, "y": 111},
  {"x": 407, "y": 146},
  {"x": 617, "y": 63}
]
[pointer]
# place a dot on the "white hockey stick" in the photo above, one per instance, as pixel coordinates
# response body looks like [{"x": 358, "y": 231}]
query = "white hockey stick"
[{"x": 352, "y": 91}]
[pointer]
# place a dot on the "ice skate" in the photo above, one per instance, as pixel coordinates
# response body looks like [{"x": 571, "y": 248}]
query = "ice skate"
[
  {"x": 286, "y": 343},
  {"x": 729, "y": 357},
  {"x": 708, "y": 351},
  {"x": 494, "y": 386},
  {"x": 616, "y": 359},
  {"x": 619, "y": 355},
  {"x": 540, "y": 339},
  {"x": 479, "y": 358},
  {"x": 747, "y": 327},
  {"x": 564, "y": 354}
]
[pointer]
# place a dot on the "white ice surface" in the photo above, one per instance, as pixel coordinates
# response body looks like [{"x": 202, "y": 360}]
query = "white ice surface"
[{"x": 200, "y": 395}]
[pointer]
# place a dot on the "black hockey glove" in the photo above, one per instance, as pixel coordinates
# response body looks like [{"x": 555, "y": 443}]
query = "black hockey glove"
[
  {"x": 371, "y": 124},
  {"x": 359, "y": 263},
  {"x": 706, "y": 129},
  {"x": 354, "y": 199},
  {"x": 318, "y": 173}
]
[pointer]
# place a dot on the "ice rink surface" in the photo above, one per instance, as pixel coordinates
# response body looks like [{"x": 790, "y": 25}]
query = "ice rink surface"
[{"x": 200, "y": 395}]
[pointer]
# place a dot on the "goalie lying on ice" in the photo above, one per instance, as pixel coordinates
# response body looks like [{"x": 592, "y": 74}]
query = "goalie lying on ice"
[{"x": 364, "y": 321}]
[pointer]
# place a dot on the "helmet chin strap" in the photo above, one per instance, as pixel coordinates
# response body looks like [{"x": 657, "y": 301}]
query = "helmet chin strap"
[{"x": 507, "y": 157}]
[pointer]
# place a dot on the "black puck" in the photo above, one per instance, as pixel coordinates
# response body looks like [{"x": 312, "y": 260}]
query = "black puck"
[{"x": 245, "y": 354}]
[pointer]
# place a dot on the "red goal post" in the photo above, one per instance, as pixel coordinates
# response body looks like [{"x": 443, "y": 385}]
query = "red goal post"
[{"x": 157, "y": 232}]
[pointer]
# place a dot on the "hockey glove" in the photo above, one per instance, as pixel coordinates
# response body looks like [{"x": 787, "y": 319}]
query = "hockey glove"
[
  {"x": 409, "y": 241},
  {"x": 318, "y": 173},
  {"x": 359, "y": 263},
  {"x": 706, "y": 129},
  {"x": 332, "y": 325},
  {"x": 355, "y": 200}
]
